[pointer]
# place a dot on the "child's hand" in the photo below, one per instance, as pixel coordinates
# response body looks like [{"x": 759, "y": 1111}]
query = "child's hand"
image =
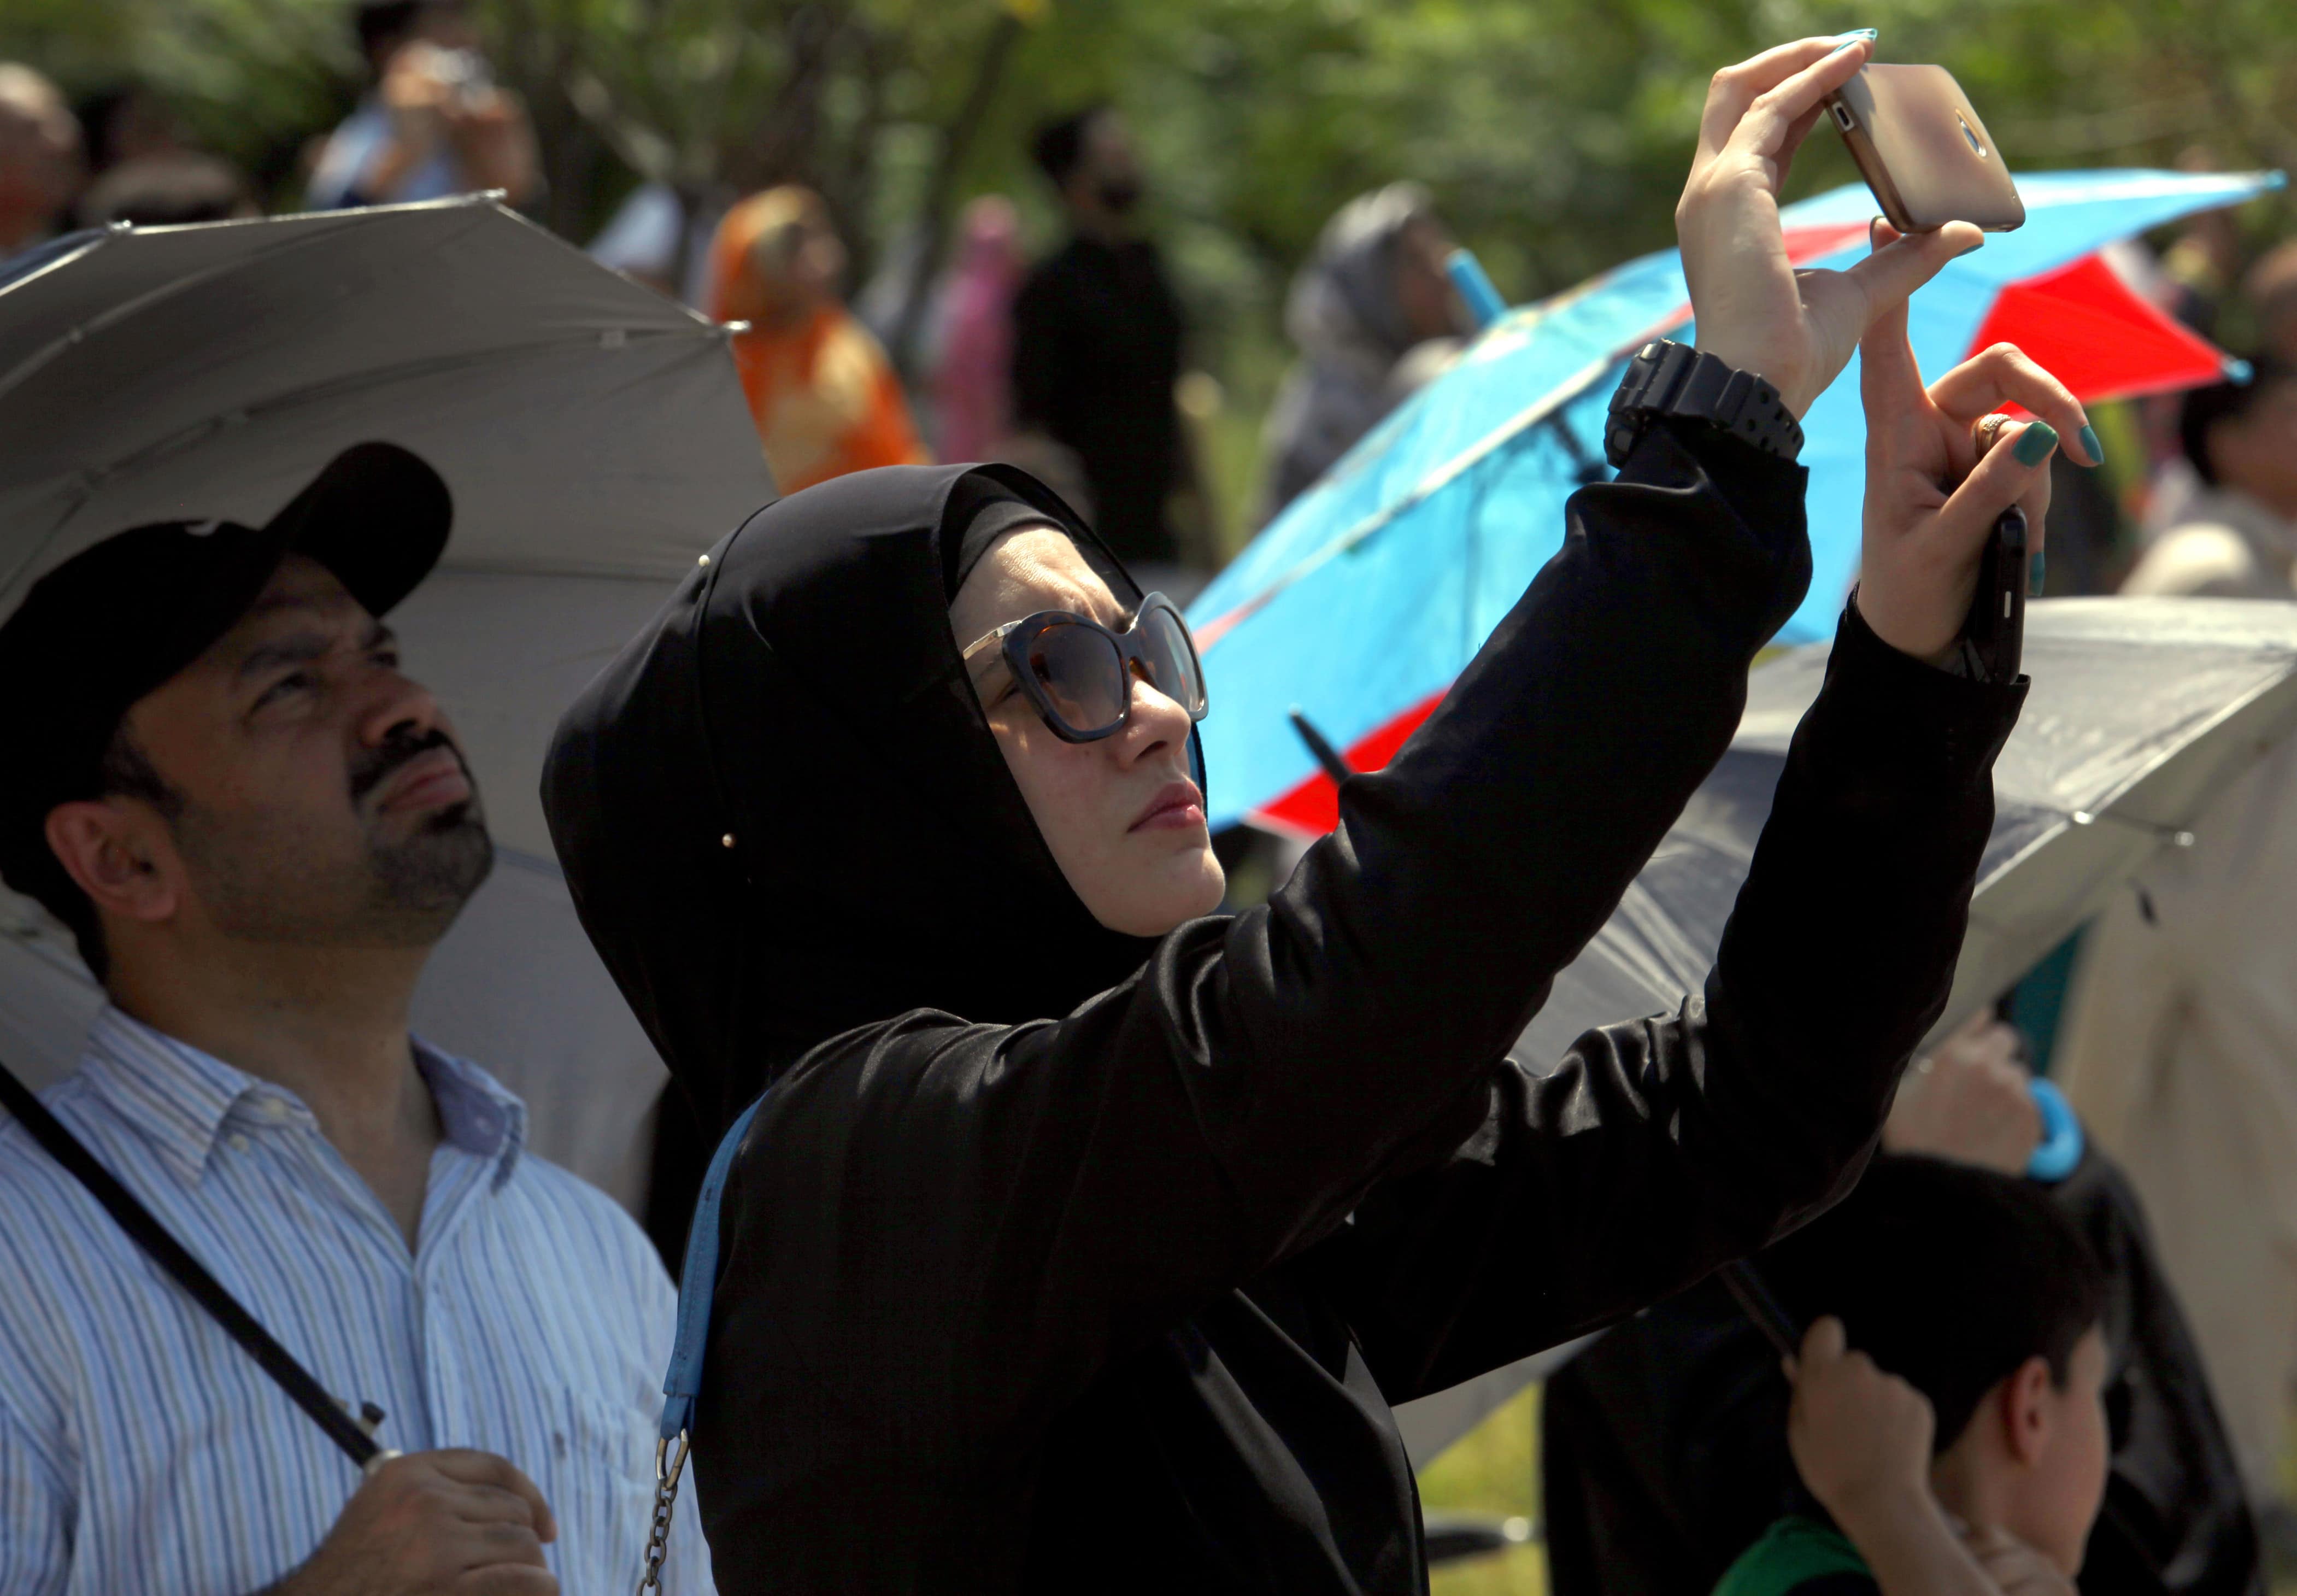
[
  {"x": 1861, "y": 1437},
  {"x": 2016, "y": 1568}
]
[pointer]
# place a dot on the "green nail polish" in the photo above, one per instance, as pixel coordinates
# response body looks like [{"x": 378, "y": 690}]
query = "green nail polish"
[
  {"x": 2034, "y": 569},
  {"x": 2035, "y": 443},
  {"x": 2091, "y": 446}
]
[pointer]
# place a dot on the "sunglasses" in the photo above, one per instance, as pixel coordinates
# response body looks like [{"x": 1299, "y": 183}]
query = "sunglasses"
[{"x": 1078, "y": 674}]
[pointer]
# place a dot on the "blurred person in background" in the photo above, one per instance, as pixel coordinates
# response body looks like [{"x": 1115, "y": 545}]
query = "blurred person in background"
[
  {"x": 434, "y": 124},
  {"x": 2271, "y": 286},
  {"x": 1097, "y": 339},
  {"x": 660, "y": 235},
  {"x": 153, "y": 190},
  {"x": 1375, "y": 316},
  {"x": 2179, "y": 1044},
  {"x": 822, "y": 393},
  {"x": 2191, "y": 279},
  {"x": 2237, "y": 537},
  {"x": 2201, "y": 266},
  {"x": 973, "y": 370},
  {"x": 127, "y": 122},
  {"x": 40, "y": 165}
]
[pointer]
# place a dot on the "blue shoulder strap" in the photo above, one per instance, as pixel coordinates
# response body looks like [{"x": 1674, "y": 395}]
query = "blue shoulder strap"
[{"x": 697, "y": 1283}]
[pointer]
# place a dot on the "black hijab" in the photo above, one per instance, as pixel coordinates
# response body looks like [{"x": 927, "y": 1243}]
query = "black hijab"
[{"x": 780, "y": 810}]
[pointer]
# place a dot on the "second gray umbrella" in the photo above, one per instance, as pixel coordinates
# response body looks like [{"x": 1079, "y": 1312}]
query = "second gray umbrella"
[{"x": 2140, "y": 709}]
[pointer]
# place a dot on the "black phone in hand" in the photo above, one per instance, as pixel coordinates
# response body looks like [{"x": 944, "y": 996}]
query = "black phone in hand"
[{"x": 1994, "y": 632}]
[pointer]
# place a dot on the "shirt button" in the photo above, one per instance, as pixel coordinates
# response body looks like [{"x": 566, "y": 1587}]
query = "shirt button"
[
  {"x": 272, "y": 1111},
  {"x": 239, "y": 1143}
]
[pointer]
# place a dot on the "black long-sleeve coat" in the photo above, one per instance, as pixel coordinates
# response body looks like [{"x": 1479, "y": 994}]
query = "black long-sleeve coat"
[{"x": 1119, "y": 1300}]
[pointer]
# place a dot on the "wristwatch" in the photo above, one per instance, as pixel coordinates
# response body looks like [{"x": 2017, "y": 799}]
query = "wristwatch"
[{"x": 1673, "y": 379}]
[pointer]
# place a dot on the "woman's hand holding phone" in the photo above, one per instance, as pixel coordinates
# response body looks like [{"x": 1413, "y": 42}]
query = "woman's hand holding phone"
[
  {"x": 1755, "y": 310},
  {"x": 1941, "y": 467}
]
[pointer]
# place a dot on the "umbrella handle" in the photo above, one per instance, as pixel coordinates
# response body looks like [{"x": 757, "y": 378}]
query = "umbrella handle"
[
  {"x": 1482, "y": 299},
  {"x": 2060, "y": 1149}
]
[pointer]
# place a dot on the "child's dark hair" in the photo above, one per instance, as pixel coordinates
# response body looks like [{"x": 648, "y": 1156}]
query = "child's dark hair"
[{"x": 1949, "y": 1276}]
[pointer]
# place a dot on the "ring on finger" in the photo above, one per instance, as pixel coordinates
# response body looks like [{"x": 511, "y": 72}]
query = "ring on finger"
[{"x": 1989, "y": 429}]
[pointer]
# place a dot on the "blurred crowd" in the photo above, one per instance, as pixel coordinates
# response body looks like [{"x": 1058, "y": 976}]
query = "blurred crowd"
[{"x": 1072, "y": 368}]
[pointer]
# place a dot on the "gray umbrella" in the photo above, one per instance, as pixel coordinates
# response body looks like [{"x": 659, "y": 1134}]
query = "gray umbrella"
[
  {"x": 2141, "y": 711},
  {"x": 585, "y": 424},
  {"x": 596, "y": 440}
]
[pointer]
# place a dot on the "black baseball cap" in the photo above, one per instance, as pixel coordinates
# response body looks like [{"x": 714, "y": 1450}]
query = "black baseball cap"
[{"x": 118, "y": 620}]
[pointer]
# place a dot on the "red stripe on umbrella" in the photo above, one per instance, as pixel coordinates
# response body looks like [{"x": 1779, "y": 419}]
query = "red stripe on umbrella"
[{"x": 2098, "y": 335}]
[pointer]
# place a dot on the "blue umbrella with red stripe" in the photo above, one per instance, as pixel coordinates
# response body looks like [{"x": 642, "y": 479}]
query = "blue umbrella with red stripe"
[{"x": 1363, "y": 601}]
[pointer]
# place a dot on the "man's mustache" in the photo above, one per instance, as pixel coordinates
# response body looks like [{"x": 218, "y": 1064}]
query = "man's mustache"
[{"x": 375, "y": 767}]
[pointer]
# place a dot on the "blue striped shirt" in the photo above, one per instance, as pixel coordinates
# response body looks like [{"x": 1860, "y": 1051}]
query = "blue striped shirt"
[{"x": 141, "y": 1449}]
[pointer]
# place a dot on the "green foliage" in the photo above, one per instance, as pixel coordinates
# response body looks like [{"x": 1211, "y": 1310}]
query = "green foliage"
[
  {"x": 1492, "y": 1471},
  {"x": 1554, "y": 132},
  {"x": 252, "y": 79}
]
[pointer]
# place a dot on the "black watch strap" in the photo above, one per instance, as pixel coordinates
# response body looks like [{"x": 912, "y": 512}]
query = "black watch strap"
[{"x": 1673, "y": 379}]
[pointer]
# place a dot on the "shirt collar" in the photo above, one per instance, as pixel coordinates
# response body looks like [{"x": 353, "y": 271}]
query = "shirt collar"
[
  {"x": 176, "y": 1095},
  {"x": 182, "y": 1098},
  {"x": 476, "y": 1112}
]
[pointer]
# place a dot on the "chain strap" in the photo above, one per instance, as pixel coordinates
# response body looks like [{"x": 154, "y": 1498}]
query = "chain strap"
[{"x": 666, "y": 1471}]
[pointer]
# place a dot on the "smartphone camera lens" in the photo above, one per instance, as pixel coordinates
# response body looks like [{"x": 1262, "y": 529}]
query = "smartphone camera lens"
[{"x": 1964, "y": 123}]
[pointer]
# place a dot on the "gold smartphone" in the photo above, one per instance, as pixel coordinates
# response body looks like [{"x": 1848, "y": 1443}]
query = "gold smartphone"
[{"x": 1922, "y": 150}]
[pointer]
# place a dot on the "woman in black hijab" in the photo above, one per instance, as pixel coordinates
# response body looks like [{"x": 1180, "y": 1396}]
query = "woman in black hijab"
[{"x": 1082, "y": 1243}]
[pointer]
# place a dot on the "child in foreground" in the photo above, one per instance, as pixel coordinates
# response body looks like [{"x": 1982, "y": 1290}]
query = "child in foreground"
[{"x": 1948, "y": 1411}]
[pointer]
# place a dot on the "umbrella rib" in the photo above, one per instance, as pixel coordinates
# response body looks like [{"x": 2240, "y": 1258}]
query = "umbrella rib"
[
  {"x": 378, "y": 376},
  {"x": 476, "y": 211},
  {"x": 60, "y": 261},
  {"x": 374, "y": 376},
  {"x": 2104, "y": 809},
  {"x": 2168, "y": 834},
  {"x": 79, "y": 332}
]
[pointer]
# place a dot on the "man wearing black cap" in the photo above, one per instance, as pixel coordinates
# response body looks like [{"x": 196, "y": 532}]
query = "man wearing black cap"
[{"x": 257, "y": 828}]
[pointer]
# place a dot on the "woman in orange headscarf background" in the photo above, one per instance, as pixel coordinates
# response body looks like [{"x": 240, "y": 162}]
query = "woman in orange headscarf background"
[{"x": 824, "y": 396}]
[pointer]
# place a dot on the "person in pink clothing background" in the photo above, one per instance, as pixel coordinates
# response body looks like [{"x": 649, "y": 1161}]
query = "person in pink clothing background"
[{"x": 973, "y": 379}]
